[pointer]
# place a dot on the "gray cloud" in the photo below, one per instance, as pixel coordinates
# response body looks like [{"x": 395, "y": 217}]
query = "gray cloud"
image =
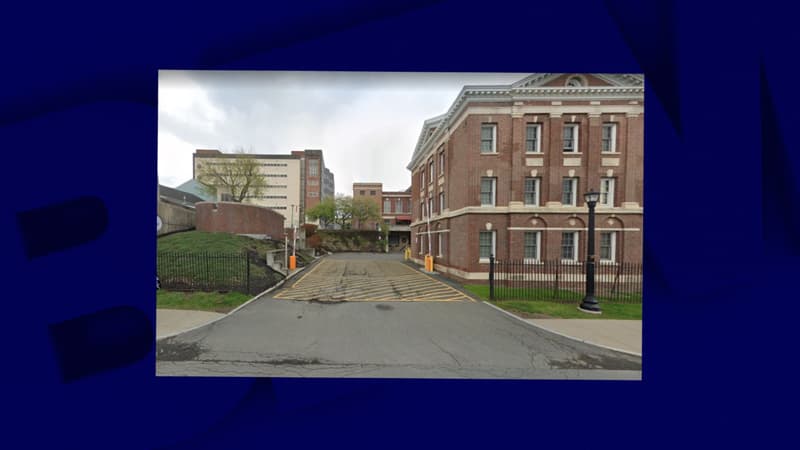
[{"x": 366, "y": 123}]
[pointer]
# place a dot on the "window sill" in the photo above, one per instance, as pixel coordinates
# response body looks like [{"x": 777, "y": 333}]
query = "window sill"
[
  {"x": 570, "y": 262},
  {"x": 483, "y": 260},
  {"x": 534, "y": 153},
  {"x": 572, "y": 153},
  {"x": 490, "y": 153},
  {"x": 610, "y": 153},
  {"x": 605, "y": 262},
  {"x": 532, "y": 261}
]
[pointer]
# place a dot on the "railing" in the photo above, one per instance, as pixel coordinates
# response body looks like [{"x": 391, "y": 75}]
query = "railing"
[
  {"x": 563, "y": 281},
  {"x": 205, "y": 271}
]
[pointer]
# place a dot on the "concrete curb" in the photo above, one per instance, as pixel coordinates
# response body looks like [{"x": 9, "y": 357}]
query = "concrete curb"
[
  {"x": 277, "y": 285},
  {"x": 627, "y": 352}
]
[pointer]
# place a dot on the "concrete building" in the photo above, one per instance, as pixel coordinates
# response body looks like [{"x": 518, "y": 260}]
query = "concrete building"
[
  {"x": 504, "y": 171},
  {"x": 395, "y": 207},
  {"x": 294, "y": 181}
]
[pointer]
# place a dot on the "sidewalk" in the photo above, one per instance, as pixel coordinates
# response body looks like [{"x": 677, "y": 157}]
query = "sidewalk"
[
  {"x": 625, "y": 335},
  {"x": 171, "y": 321}
]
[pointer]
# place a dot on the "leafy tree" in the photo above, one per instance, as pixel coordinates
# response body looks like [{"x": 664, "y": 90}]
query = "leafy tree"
[
  {"x": 365, "y": 210},
  {"x": 344, "y": 210},
  {"x": 324, "y": 211},
  {"x": 237, "y": 175}
]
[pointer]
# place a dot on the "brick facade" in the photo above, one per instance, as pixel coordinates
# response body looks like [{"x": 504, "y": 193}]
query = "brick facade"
[
  {"x": 455, "y": 140},
  {"x": 239, "y": 218}
]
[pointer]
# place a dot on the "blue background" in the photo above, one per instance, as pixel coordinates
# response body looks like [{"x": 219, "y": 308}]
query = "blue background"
[{"x": 78, "y": 123}]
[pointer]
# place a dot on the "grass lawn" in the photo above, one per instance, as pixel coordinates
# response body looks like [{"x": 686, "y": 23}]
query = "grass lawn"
[
  {"x": 200, "y": 301},
  {"x": 194, "y": 241},
  {"x": 541, "y": 309}
]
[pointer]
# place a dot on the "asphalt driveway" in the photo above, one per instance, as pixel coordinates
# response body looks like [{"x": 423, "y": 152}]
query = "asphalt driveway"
[{"x": 365, "y": 315}]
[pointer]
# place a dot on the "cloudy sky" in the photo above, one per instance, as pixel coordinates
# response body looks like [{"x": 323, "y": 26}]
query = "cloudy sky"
[{"x": 366, "y": 123}]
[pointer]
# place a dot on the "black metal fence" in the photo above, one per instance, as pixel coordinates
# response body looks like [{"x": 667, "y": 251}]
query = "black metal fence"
[
  {"x": 561, "y": 281},
  {"x": 204, "y": 271}
]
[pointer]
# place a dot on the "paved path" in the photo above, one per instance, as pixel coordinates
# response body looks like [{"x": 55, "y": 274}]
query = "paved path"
[
  {"x": 381, "y": 336},
  {"x": 170, "y": 321},
  {"x": 348, "y": 277},
  {"x": 620, "y": 334}
]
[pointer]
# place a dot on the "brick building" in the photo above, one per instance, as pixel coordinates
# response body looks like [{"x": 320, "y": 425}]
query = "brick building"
[
  {"x": 295, "y": 182},
  {"x": 504, "y": 171},
  {"x": 395, "y": 208}
]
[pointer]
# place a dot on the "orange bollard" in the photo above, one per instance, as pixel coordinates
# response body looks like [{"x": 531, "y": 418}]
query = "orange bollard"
[{"x": 292, "y": 262}]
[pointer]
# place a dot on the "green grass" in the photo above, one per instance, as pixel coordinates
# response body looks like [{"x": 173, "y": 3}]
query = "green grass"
[
  {"x": 200, "y": 301},
  {"x": 205, "y": 261},
  {"x": 530, "y": 308},
  {"x": 194, "y": 241}
]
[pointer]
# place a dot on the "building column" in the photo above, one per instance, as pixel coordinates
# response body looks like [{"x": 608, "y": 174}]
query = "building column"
[
  {"x": 592, "y": 155},
  {"x": 555, "y": 160}
]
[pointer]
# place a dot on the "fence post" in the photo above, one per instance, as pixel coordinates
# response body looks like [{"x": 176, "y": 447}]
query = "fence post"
[{"x": 491, "y": 277}]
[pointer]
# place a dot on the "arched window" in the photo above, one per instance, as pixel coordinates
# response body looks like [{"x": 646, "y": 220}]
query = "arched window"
[{"x": 575, "y": 81}]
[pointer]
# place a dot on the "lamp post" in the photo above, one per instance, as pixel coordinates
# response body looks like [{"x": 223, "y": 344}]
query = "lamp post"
[{"x": 589, "y": 303}]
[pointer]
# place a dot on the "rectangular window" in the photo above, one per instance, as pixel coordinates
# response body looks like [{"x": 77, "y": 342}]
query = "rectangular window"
[
  {"x": 441, "y": 201},
  {"x": 569, "y": 246},
  {"x": 532, "y": 139},
  {"x": 488, "y": 138},
  {"x": 441, "y": 163},
  {"x": 488, "y": 185},
  {"x": 421, "y": 244},
  {"x": 441, "y": 247},
  {"x": 431, "y": 171},
  {"x": 569, "y": 192},
  {"x": 486, "y": 242},
  {"x": 398, "y": 205},
  {"x": 571, "y": 137},
  {"x": 422, "y": 180},
  {"x": 609, "y": 138},
  {"x": 532, "y": 245},
  {"x": 313, "y": 167},
  {"x": 608, "y": 244},
  {"x": 531, "y": 191},
  {"x": 430, "y": 205},
  {"x": 362, "y": 192},
  {"x": 387, "y": 206},
  {"x": 607, "y": 192},
  {"x": 372, "y": 192}
]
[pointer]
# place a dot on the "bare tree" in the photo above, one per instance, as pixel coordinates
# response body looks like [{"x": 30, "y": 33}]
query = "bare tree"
[{"x": 237, "y": 174}]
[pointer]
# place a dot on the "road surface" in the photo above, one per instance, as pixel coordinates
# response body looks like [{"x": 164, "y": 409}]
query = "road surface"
[{"x": 371, "y": 315}]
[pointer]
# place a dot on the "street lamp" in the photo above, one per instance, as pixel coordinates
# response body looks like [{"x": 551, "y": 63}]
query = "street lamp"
[{"x": 589, "y": 303}]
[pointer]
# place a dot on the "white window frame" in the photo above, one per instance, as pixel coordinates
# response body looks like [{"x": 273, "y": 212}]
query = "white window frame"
[
  {"x": 613, "y": 249},
  {"x": 494, "y": 192},
  {"x": 430, "y": 206},
  {"x": 422, "y": 181},
  {"x": 613, "y": 127},
  {"x": 576, "y": 244},
  {"x": 575, "y": 133},
  {"x": 574, "y": 181},
  {"x": 313, "y": 168},
  {"x": 494, "y": 246},
  {"x": 611, "y": 191},
  {"x": 441, "y": 201},
  {"x": 536, "y": 186},
  {"x": 441, "y": 163},
  {"x": 538, "y": 128},
  {"x": 538, "y": 247},
  {"x": 398, "y": 205},
  {"x": 432, "y": 169},
  {"x": 387, "y": 202},
  {"x": 439, "y": 249},
  {"x": 494, "y": 138}
]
